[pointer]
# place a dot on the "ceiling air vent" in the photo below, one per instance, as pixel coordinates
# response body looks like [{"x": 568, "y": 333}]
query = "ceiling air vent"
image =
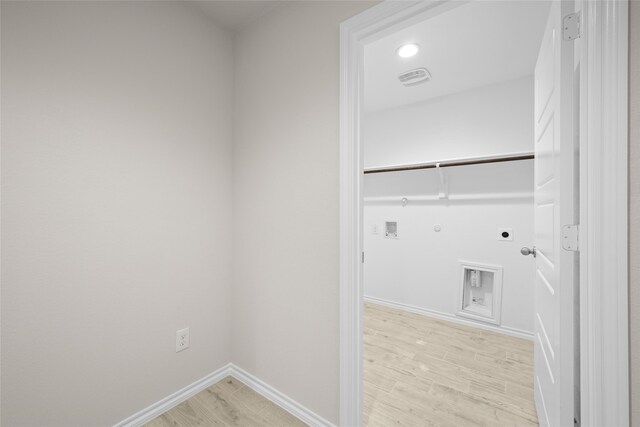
[{"x": 415, "y": 77}]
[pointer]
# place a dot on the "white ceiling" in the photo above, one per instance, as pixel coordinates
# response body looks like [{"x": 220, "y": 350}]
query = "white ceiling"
[
  {"x": 232, "y": 15},
  {"x": 475, "y": 44}
]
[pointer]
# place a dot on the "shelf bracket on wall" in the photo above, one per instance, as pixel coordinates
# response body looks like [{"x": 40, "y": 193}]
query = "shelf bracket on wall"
[{"x": 442, "y": 189}]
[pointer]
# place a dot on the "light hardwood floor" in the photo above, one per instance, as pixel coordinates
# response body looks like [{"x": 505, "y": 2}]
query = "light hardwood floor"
[
  {"x": 418, "y": 371},
  {"x": 227, "y": 403},
  {"x": 421, "y": 371}
]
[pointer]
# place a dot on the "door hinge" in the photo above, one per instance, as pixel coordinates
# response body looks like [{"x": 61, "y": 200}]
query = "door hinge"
[
  {"x": 363, "y": 257},
  {"x": 570, "y": 238},
  {"x": 571, "y": 27}
]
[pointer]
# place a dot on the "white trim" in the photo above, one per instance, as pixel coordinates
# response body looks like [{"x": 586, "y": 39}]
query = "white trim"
[
  {"x": 506, "y": 330},
  {"x": 285, "y": 402},
  {"x": 604, "y": 365},
  {"x": 163, "y": 405},
  {"x": 257, "y": 385}
]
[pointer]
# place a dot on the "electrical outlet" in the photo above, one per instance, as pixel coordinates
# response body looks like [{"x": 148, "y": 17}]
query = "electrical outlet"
[{"x": 182, "y": 339}]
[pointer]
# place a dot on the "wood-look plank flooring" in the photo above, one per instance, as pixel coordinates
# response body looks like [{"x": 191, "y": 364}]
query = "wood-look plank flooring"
[
  {"x": 420, "y": 371},
  {"x": 227, "y": 403}
]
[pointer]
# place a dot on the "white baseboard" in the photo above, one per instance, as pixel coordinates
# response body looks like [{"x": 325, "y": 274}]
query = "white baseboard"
[
  {"x": 452, "y": 318},
  {"x": 162, "y": 406},
  {"x": 285, "y": 402}
]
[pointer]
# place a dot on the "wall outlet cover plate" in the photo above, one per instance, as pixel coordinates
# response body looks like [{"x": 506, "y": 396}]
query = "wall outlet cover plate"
[{"x": 182, "y": 339}]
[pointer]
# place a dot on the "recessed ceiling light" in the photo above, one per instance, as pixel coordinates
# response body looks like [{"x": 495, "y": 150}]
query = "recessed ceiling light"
[{"x": 408, "y": 50}]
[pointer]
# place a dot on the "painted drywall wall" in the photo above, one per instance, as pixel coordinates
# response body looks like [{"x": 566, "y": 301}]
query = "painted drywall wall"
[
  {"x": 634, "y": 207},
  {"x": 286, "y": 223},
  {"x": 116, "y": 207},
  {"x": 421, "y": 267},
  {"x": 483, "y": 121}
]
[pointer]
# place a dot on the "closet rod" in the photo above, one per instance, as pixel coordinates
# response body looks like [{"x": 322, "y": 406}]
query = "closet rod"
[{"x": 449, "y": 163}]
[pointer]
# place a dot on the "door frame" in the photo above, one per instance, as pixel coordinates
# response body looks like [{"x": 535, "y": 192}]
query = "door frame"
[
  {"x": 603, "y": 56},
  {"x": 604, "y": 229}
]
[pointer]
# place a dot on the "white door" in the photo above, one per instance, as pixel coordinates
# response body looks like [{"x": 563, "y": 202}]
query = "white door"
[{"x": 554, "y": 208}]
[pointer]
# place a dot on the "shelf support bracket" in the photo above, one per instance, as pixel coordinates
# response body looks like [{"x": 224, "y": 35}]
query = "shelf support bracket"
[{"x": 442, "y": 190}]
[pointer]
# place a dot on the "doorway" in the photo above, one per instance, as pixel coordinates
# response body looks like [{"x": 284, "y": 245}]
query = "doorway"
[
  {"x": 356, "y": 35},
  {"x": 449, "y": 201}
]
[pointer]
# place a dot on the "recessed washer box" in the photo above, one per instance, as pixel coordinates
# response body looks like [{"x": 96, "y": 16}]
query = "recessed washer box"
[
  {"x": 480, "y": 296},
  {"x": 391, "y": 229}
]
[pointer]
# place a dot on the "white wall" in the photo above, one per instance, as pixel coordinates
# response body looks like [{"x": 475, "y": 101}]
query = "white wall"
[
  {"x": 483, "y": 121},
  {"x": 421, "y": 268},
  {"x": 286, "y": 222},
  {"x": 116, "y": 207}
]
